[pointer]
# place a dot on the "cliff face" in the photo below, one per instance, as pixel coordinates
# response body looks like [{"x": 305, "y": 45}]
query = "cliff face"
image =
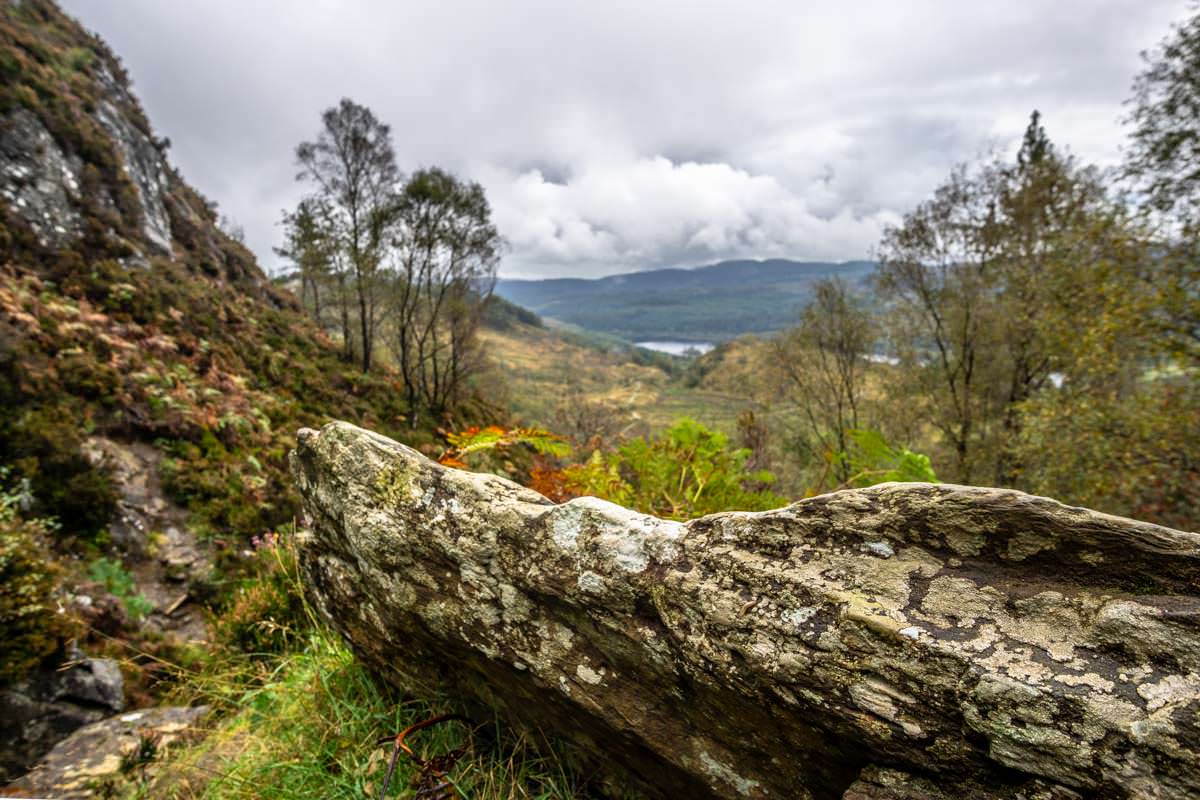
[
  {"x": 80, "y": 167},
  {"x": 907, "y": 640}
]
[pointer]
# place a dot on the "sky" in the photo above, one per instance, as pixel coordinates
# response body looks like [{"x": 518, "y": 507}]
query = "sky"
[{"x": 616, "y": 136}]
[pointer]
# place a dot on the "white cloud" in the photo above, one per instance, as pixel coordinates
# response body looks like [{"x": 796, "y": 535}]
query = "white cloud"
[
  {"x": 625, "y": 134},
  {"x": 650, "y": 211}
]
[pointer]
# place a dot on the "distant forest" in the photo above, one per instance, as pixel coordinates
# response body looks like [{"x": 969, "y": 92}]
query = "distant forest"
[{"x": 706, "y": 304}]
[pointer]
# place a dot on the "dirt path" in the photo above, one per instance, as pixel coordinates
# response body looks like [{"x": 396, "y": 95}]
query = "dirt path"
[{"x": 153, "y": 539}]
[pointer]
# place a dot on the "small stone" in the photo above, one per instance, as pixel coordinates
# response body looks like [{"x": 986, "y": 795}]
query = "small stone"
[
  {"x": 95, "y": 753},
  {"x": 95, "y": 681},
  {"x": 881, "y": 549}
]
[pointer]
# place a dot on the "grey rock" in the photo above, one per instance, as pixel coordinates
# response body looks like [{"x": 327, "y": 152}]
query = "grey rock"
[
  {"x": 1008, "y": 642},
  {"x": 32, "y": 726},
  {"x": 52, "y": 703},
  {"x": 881, "y": 783},
  {"x": 38, "y": 181},
  {"x": 93, "y": 681},
  {"x": 42, "y": 183},
  {"x": 89, "y": 762},
  {"x": 145, "y": 166}
]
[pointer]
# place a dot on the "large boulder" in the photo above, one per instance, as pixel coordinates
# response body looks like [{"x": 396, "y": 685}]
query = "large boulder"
[{"x": 906, "y": 640}]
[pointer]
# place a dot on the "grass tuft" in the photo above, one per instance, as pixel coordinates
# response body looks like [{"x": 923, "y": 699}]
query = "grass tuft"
[{"x": 304, "y": 723}]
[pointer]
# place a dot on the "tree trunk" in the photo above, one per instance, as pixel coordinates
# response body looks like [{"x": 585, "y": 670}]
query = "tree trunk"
[{"x": 365, "y": 326}]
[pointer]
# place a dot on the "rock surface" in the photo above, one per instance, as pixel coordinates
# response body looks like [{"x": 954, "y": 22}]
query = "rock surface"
[
  {"x": 43, "y": 184},
  {"x": 906, "y": 640},
  {"x": 38, "y": 180},
  {"x": 50, "y": 704},
  {"x": 97, "y": 758}
]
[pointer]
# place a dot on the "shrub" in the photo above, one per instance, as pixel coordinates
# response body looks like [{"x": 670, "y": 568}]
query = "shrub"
[
  {"x": 872, "y": 459},
  {"x": 686, "y": 472},
  {"x": 30, "y": 622},
  {"x": 45, "y": 446},
  {"x": 267, "y": 614}
]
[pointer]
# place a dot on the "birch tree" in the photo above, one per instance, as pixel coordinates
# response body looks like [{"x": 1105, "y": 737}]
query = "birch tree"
[{"x": 353, "y": 166}]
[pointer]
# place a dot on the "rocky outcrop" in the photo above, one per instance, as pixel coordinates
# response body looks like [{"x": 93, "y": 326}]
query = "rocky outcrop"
[
  {"x": 141, "y": 154},
  {"x": 82, "y": 170},
  {"x": 43, "y": 182},
  {"x": 906, "y": 640},
  {"x": 50, "y": 704},
  {"x": 100, "y": 759},
  {"x": 38, "y": 180}
]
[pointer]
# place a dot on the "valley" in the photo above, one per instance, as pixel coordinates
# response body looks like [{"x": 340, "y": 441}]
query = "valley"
[{"x": 547, "y": 374}]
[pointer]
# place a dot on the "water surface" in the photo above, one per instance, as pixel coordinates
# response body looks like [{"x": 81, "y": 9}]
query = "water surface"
[{"x": 678, "y": 348}]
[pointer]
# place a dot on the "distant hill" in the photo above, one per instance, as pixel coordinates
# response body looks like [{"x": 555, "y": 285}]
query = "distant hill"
[{"x": 705, "y": 304}]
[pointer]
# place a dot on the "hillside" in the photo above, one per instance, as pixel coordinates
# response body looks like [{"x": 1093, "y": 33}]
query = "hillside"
[
  {"x": 256, "y": 533},
  {"x": 706, "y": 304},
  {"x": 580, "y": 387},
  {"x": 151, "y": 383},
  {"x": 127, "y": 311}
]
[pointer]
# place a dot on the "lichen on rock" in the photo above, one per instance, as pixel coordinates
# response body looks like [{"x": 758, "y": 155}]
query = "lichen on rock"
[{"x": 947, "y": 635}]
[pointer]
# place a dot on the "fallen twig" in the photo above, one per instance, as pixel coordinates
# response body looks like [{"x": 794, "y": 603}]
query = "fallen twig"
[{"x": 431, "y": 782}]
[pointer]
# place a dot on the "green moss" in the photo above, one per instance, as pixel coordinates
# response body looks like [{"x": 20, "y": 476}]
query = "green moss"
[{"x": 393, "y": 486}]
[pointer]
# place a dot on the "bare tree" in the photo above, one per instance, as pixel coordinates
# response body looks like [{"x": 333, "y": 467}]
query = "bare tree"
[
  {"x": 354, "y": 168},
  {"x": 446, "y": 251},
  {"x": 823, "y": 363},
  {"x": 591, "y": 423},
  {"x": 933, "y": 269}
]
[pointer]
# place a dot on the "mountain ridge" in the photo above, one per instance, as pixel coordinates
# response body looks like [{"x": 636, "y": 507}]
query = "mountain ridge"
[{"x": 713, "y": 302}]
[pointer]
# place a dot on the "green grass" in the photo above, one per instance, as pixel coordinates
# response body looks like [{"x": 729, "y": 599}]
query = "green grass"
[
  {"x": 310, "y": 730},
  {"x": 305, "y": 722}
]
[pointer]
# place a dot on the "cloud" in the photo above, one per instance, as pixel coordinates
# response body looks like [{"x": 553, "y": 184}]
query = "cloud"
[
  {"x": 621, "y": 135},
  {"x": 651, "y": 211}
]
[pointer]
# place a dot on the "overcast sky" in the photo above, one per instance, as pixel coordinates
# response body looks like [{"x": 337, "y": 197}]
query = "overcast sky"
[{"x": 613, "y": 136}]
